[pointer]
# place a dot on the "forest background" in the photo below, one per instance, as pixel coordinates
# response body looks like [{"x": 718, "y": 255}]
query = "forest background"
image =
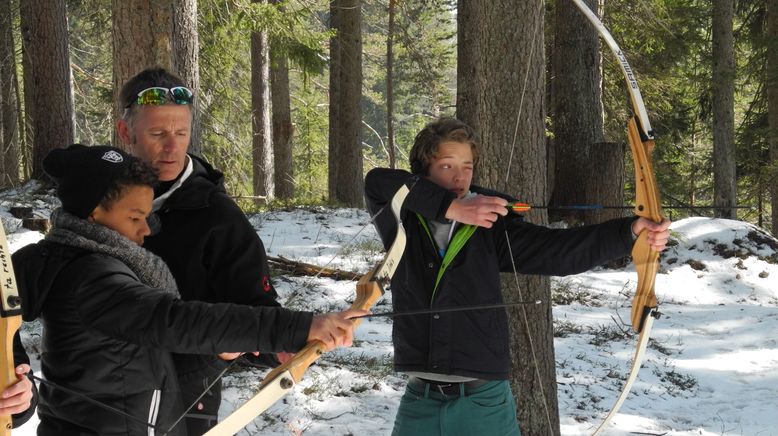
[{"x": 297, "y": 99}]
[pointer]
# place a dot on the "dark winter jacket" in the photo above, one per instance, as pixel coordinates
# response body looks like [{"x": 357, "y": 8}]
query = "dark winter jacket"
[
  {"x": 108, "y": 336},
  {"x": 213, "y": 252},
  {"x": 471, "y": 343}
]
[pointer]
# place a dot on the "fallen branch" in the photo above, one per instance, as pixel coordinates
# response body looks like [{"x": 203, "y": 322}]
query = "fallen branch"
[{"x": 297, "y": 268}]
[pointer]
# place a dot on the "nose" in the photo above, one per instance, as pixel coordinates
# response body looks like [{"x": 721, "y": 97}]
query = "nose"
[
  {"x": 144, "y": 231},
  {"x": 170, "y": 143}
]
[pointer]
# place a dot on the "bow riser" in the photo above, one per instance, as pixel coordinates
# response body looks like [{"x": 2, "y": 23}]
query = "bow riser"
[
  {"x": 647, "y": 205},
  {"x": 10, "y": 322},
  {"x": 8, "y": 378}
]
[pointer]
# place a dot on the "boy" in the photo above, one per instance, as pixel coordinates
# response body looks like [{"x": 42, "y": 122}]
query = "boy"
[
  {"x": 458, "y": 363},
  {"x": 111, "y": 311}
]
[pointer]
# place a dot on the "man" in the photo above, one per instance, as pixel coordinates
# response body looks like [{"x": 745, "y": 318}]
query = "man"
[{"x": 212, "y": 250}]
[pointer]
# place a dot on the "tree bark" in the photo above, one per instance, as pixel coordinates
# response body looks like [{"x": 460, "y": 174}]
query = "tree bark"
[
  {"x": 500, "y": 45},
  {"x": 9, "y": 115},
  {"x": 724, "y": 177},
  {"x": 335, "y": 96},
  {"x": 186, "y": 60},
  {"x": 283, "y": 130},
  {"x": 604, "y": 182},
  {"x": 141, "y": 39},
  {"x": 262, "y": 141},
  {"x": 577, "y": 110},
  {"x": 48, "y": 93},
  {"x": 390, "y": 86},
  {"x": 346, "y": 146},
  {"x": 772, "y": 106}
]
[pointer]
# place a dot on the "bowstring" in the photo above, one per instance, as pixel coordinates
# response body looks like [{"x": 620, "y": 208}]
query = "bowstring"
[
  {"x": 525, "y": 316},
  {"x": 200, "y": 397}
]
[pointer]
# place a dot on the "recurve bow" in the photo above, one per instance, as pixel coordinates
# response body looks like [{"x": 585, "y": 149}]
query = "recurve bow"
[
  {"x": 282, "y": 379},
  {"x": 647, "y": 205}
]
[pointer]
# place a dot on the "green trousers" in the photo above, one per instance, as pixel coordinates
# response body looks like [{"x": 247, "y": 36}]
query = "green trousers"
[{"x": 488, "y": 410}]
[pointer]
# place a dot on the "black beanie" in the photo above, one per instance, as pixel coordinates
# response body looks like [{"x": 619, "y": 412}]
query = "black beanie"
[{"x": 84, "y": 174}]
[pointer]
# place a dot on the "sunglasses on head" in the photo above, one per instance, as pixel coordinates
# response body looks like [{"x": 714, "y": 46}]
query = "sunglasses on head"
[{"x": 157, "y": 95}]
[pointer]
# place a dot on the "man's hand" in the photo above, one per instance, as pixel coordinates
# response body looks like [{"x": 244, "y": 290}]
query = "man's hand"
[
  {"x": 658, "y": 233},
  {"x": 232, "y": 356},
  {"x": 480, "y": 210},
  {"x": 284, "y": 357},
  {"x": 17, "y": 397},
  {"x": 334, "y": 329}
]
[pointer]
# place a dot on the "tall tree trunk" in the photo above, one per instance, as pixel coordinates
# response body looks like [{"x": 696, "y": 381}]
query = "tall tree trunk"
[
  {"x": 141, "y": 39},
  {"x": 390, "y": 86},
  {"x": 333, "y": 154},
  {"x": 9, "y": 116},
  {"x": 283, "y": 131},
  {"x": 262, "y": 141},
  {"x": 500, "y": 45},
  {"x": 186, "y": 59},
  {"x": 724, "y": 178},
  {"x": 772, "y": 106},
  {"x": 346, "y": 147},
  {"x": 576, "y": 105},
  {"x": 48, "y": 93}
]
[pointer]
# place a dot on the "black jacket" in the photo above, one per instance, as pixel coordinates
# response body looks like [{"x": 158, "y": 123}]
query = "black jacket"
[
  {"x": 108, "y": 336},
  {"x": 471, "y": 343},
  {"x": 213, "y": 252}
]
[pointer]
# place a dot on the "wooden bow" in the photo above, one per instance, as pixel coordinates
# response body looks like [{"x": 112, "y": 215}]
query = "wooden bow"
[
  {"x": 10, "y": 321},
  {"x": 282, "y": 379},
  {"x": 647, "y": 205}
]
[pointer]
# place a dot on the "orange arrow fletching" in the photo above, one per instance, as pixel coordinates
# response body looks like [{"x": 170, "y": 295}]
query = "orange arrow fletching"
[{"x": 519, "y": 207}]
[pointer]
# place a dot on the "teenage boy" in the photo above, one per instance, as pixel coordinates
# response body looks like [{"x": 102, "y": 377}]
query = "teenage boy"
[
  {"x": 111, "y": 311},
  {"x": 458, "y": 241}
]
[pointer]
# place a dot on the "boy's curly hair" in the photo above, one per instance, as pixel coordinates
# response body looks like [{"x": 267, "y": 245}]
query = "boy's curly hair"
[
  {"x": 425, "y": 146},
  {"x": 138, "y": 173}
]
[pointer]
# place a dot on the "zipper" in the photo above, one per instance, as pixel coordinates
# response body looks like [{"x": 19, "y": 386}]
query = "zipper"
[{"x": 154, "y": 410}]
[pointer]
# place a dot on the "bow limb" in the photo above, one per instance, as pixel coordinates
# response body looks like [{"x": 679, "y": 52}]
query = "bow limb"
[
  {"x": 10, "y": 321},
  {"x": 647, "y": 205},
  {"x": 282, "y": 379}
]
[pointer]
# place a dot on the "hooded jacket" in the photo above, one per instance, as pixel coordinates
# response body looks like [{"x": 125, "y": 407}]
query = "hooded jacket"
[
  {"x": 108, "y": 336},
  {"x": 213, "y": 252},
  {"x": 471, "y": 343}
]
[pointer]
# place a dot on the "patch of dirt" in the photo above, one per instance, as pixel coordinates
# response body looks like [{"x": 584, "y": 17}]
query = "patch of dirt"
[{"x": 696, "y": 265}]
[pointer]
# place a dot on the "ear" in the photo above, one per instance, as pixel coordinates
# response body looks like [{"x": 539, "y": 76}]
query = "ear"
[
  {"x": 123, "y": 130},
  {"x": 94, "y": 216}
]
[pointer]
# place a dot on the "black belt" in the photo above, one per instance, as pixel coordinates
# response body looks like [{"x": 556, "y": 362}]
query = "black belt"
[{"x": 445, "y": 388}]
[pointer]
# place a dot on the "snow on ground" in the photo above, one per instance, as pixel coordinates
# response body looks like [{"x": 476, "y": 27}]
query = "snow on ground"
[{"x": 711, "y": 367}]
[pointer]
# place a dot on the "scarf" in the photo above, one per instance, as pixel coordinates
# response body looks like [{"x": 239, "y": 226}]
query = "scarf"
[{"x": 72, "y": 231}]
